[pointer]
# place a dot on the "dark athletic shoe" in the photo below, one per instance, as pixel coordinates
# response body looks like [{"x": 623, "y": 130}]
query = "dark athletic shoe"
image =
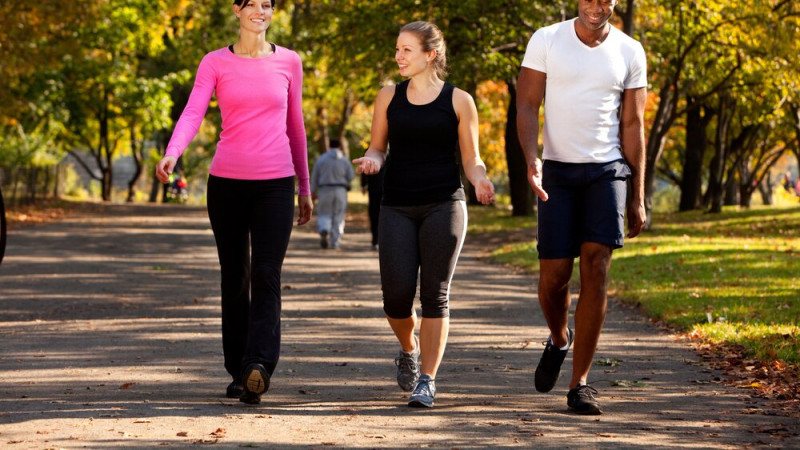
[
  {"x": 250, "y": 398},
  {"x": 234, "y": 390},
  {"x": 323, "y": 239},
  {"x": 256, "y": 378},
  {"x": 581, "y": 401},
  {"x": 408, "y": 368},
  {"x": 550, "y": 365},
  {"x": 424, "y": 392}
]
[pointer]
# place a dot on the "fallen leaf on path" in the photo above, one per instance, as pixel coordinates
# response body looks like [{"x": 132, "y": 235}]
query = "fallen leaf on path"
[
  {"x": 219, "y": 433},
  {"x": 126, "y": 385},
  {"x": 182, "y": 433},
  {"x": 143, "y": 421},
  {"x": 307, "y": 392}
]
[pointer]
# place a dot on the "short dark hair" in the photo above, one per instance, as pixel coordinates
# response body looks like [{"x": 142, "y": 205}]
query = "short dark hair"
[
  {"x": 241, "y": 3},
  {"x": 335, "y": 143}
]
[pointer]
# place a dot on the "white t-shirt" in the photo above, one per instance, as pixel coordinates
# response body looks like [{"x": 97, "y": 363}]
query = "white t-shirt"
[{"x": 583, "y": 90}]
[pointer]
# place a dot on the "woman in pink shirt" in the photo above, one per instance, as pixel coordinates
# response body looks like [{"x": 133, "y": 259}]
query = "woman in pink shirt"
[{"x": 251, "y": 185}]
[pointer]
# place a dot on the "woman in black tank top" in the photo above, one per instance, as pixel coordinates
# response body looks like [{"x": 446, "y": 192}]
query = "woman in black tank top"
[{"x": 430, "y": 127}]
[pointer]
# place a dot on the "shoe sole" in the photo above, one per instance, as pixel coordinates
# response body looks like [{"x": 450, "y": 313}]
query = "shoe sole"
[
  {"x": 595, "y": 411},
  {"x": 255, "y": 381},
  {"x": 420, "y": 404}
]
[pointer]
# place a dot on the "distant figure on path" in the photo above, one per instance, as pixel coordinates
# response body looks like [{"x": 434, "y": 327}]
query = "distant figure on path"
[
  {"x": 428, "y": 125},
  {"x": 592, "y": 79},
  {"x": 330, "y": 181},
  {"x": 372, "y": 185},
  {"x": 261, "y": 149}
]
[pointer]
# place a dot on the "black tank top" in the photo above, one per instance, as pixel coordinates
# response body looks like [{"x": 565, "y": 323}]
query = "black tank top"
[{"x": 422, "y": 163}]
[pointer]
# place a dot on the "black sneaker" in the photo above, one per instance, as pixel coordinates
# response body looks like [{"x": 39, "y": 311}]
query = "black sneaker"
[
  {"x": 256, "y": 382},
  {"x": 250, "y": 398},
  {"x": 550, "y": 365},
  {"x": 234, "y": 390},
  {"x": 581, "y": 400},
  {"x": 323, "y": 239}
]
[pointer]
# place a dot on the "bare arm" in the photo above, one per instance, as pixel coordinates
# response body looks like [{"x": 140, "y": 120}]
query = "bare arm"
[
  {"x": 530, "y": 94},
  {"x": 633, "y": 149},
  {"x": 471, "y": 160},
  {"x": 374, "y": 157}
]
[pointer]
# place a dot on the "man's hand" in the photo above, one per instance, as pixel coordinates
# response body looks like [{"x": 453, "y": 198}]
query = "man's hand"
[
  {"x": 636, "y": 218},
  {"x": 535, "y": 179}
]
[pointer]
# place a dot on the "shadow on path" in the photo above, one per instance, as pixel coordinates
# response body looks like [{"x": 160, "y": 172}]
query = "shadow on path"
[{"x": 110, "y": 337}]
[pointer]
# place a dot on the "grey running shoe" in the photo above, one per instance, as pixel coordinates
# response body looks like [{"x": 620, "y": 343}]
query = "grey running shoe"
[
  {"x": 408, "y": 368},
  {"x": 550, "y": 365},
  {"x": 423, "y": 394},
  {"x": 581, "y": 400}
]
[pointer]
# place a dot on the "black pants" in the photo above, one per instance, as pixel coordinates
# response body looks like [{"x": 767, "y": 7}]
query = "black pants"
[
  {"x": 420, "y": 240},
  {"x": 374, "y": 208},
  {"x": 252, "y": 223}
]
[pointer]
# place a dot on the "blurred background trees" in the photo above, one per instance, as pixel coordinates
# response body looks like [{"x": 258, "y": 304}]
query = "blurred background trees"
[{"x": 90, "y": 88}]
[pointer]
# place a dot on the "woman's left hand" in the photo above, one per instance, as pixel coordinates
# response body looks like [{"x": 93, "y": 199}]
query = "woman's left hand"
[
  {"x": 306, "y": 206},
  {"x": 484, "y": 190}
]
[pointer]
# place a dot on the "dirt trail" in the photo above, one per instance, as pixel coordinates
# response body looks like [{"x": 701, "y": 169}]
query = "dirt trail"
[{"x": 110, "y": 336}]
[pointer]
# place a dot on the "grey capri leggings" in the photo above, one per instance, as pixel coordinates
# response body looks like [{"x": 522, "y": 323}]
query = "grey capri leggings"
[{"x": 420, "y": 239}]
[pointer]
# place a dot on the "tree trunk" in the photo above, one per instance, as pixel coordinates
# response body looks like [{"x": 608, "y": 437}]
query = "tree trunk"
[
  {"x": 655, "y": 146},
  {"x": 696, "y": 143},
  {"x": 765, "y": 189},
  {"x": 2, "y": 225},
  {"x": 138, "y": 158},
  {"x": 731, "y": 188},
  {"x": 627, "y": 16},
  {"x": 324, "y": 137},
  {"x": 522, "y": 199},
  {"x": 717, "y": 169},
  {"x": 161, "y": 140}
]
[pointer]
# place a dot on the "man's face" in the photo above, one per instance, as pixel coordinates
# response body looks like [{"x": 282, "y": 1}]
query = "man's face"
[{"x": 594, "y": 14}]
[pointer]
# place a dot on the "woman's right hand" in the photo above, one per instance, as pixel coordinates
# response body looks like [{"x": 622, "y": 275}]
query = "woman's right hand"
[
  {"x": 368, "y": 165},
  {"x": 165, "y": 167}
]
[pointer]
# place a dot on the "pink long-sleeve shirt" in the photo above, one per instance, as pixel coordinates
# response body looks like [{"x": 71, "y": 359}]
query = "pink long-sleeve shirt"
[{"x": 263, "y": 135}]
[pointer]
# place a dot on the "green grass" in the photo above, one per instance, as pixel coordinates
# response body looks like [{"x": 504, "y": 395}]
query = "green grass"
[{"x": 731, "y": 278}]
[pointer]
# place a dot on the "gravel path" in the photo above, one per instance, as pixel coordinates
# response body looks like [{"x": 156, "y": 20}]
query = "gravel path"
[{"x": 109, "y": 323}]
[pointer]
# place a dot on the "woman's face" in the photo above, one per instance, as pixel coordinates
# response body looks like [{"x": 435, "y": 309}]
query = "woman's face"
[
  {"x": 410, "y": 57},
  {"x": 254, "y": 15}
]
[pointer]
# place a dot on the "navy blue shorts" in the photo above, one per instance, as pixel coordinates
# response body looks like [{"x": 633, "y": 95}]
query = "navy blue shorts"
[{"x": 586, "y": 204}]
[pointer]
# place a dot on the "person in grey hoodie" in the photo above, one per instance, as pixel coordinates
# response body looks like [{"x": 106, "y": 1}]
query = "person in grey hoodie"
[{"x": 330, "y": 181}]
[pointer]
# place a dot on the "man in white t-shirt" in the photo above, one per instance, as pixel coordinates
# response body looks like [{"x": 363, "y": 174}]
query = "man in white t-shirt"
[{"x": 592, "y": 79}]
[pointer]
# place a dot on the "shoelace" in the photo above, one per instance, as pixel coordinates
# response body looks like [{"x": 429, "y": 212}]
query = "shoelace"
[
  {"x": 585, "y": 391},
  {"x": 405, "y": 363},
  {"x": 424, "y": 388}
]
